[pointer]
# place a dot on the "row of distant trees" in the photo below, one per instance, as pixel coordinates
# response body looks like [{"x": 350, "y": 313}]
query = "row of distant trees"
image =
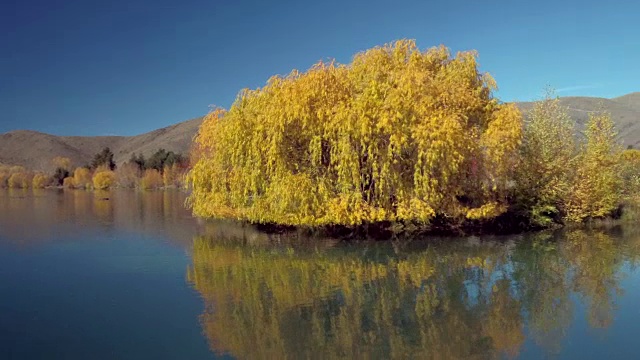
[{"x": 162, "y": 169}]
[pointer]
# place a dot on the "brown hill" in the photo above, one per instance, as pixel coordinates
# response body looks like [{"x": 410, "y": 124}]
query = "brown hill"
[
  {"x": 630, "y": 100},
  {"x": 35, "y": 150}
]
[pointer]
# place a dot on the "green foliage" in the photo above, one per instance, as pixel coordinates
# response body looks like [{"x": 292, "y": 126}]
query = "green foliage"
[
  {"x": 397, "y": 135},
  {"x": 160, "y": 160},
  {"x": 103, "y": 158},
  {"x": 139, "y": 161},
  {"x": 59, "y": 175}
]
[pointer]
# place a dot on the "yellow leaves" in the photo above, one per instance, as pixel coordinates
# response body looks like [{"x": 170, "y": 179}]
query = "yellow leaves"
[
  {"x": 20, "y": 180},
  {"x": 501, "y": 142},
  {"x": 487, "y": 211},
  {"x": 171, "y": 176},
  {"x": 597, "y": 191},
  {"x": 68, "y": 183},
  {"x": 504, "y": 133},
  {"x": 547, "y": 158},
  {"x": 630, "y": 173},
  {"x": 152, "y": 179},
  {"x": 476, "y": 262},
  {"x": 40, "y": 181},
  {"x": 15, "y": 177},
  {"x": 104, "y": 179},
  {"x": 631, "y": 155},
  {"x": 415, "y": 209},
  {"x": 82, "y": 178},
  {"x": 343, "y": 299},
  {"x": 414, "y": 273},
  {"x": 62, "y": 162},
  {"x": 391, "y": 136}
]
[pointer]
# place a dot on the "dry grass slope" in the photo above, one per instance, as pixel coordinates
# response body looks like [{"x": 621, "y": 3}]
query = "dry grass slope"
[{"x": 35, "y": 150}]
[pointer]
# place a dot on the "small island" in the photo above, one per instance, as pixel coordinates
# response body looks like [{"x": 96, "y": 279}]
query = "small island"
[{"x": 404, "y": 141}]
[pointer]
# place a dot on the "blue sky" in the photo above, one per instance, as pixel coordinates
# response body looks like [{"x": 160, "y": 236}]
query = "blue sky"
[{"x": 86, "y": 67}]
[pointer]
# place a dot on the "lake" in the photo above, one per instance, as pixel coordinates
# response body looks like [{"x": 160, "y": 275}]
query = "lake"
[{"x": 131, "y": 275}]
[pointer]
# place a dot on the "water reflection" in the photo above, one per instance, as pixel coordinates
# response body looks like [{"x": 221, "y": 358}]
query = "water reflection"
[
  {"x": 30, "y": 217},
  {"x": 453, "y": 299},
  {"x": 282, "y": 296}
]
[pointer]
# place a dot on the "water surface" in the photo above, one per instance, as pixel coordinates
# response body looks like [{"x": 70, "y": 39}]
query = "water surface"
[{"x": 132, "y": 275}]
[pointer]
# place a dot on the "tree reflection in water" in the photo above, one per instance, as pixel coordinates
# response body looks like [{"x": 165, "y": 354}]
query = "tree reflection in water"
[{"x": 279, "y": 297}]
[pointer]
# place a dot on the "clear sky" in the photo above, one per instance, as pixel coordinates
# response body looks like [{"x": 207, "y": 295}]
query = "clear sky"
[{"x": 83, "y": 67}]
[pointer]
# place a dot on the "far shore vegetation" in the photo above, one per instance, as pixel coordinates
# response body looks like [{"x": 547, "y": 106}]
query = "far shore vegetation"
[
  {"x": 403, "y": 141},
  {"x": 164, "y": 169}
]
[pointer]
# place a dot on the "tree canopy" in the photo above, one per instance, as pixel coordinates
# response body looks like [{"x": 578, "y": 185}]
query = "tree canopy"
[
  {"x": 398, "y": 134},
  {"x": 158, "y": 161},
  {"x": 105, "y": 157}
]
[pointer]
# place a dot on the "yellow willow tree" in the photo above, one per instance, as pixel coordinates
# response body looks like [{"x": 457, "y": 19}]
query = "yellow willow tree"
[
  {"x": 397, "y": 135},
  {"x": 597, "y": 189}
]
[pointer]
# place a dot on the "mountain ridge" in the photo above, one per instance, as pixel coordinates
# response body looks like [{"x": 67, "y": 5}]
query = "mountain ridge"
[{"x": 35, "y": 150}]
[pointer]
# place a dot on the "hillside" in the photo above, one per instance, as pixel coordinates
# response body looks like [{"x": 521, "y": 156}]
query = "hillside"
[{"x": 35, "y": 150}]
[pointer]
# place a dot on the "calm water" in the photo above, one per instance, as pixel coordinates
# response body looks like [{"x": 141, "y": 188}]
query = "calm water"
[{"x": 126, "y": 275}]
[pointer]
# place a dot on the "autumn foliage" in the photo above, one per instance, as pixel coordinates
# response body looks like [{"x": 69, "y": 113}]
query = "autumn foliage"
[
  {"x": 104, "y": 179},
  {"x": 597, "y": 189},
  {"x": 403, "y": 136},
  {"x": 397, "y": 135},
  {"x": 152, "y": 179},
  {"x": 630, "y": 163},
  {"x": 82, "y": 178},
  {"x": 40, "y": 181}
]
